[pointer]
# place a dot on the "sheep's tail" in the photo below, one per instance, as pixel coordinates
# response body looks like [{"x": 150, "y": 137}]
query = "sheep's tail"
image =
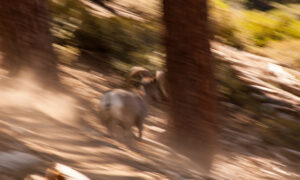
[{"x": 105, "y": 102}]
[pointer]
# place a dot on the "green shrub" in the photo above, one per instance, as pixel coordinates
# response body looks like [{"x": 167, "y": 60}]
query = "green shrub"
[
  {"x": 293, "y": 29},
  {"x": 281, "y": 132},
  {"x": 67, "y": 16},
  {"x": 240, "y": 28},
  {"x": 220, "y": 14},
  {"x": 262, "y": 27},
  {"x": 117, "y": 38}
]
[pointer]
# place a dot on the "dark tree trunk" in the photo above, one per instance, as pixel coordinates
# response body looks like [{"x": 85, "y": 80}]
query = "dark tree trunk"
[
  {"x": 26, "y": 39},
  {"x": 190, "y": 77}
]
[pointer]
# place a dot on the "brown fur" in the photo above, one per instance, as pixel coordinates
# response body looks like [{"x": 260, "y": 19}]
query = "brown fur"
[{"x": 123, "y": 108}]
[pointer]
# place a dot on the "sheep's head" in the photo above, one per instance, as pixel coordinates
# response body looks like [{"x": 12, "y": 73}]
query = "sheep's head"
[
  {"x": 150, "y": 87},
  {"x": 150, "y": 84}
]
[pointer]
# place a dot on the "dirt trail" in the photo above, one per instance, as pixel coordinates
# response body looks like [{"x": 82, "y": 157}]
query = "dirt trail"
[{"x": 60, "y": 128}]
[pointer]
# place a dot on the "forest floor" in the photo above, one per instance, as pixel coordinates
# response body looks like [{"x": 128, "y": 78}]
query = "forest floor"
[
  {"x": 52, "y": 127},
  {"x": 40, "y": 127}
]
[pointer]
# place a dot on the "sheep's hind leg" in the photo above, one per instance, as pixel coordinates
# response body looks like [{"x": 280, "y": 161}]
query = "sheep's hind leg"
[
  {"x": 111, "y": 128},
  {"x": 140, "y": 127}
]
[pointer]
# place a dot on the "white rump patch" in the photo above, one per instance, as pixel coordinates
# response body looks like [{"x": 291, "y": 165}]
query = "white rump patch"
[{"x": 116, "y": 104}]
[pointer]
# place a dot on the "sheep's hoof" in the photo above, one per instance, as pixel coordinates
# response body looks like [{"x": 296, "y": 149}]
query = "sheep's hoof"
[{"x": 139, "y": 138}]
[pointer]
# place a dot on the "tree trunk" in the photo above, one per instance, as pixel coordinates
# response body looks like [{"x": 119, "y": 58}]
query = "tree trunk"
[
  {"x": 26, "y": 39},
  {"x": 190, "y": 78}
]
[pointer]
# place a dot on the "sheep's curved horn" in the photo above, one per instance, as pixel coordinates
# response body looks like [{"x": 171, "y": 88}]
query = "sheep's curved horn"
[
  {"x": 138, "y": 71},
  {"x": 161, "y": 80},
  {"x": 159, "y": 74}
]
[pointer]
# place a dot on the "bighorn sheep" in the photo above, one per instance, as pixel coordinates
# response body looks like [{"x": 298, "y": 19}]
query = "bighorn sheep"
[
  {"x": 124, "y": 108},
  {"x": 128, "y": 108}
]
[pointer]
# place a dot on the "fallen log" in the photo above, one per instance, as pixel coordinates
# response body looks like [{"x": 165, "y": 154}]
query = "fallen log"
[{"x": 59, "y": 172}]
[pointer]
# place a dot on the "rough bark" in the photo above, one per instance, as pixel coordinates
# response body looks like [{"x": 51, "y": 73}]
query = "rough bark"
[
  {"x": 26, "y": 39},
  {"x": 190, "y": 77}
]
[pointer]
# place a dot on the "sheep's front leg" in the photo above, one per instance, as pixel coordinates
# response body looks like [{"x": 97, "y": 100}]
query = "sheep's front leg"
[
  {"x": 140, "y": 127},
  {"x": 111, "y": 127}
]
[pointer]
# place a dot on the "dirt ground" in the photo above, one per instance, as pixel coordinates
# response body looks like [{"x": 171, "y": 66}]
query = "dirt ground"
[{"x": 65, "y": 128}]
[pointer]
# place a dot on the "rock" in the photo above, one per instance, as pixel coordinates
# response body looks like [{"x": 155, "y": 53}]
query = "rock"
[
  {"x": 282, "y": 158},
  {"x": 259, "y": 88},
  {"x": 15, "y": 160},
  {"x": 267, "y": 108},
  {"x": 291, "y": 154},
  {"x": 278, "y": 72},
  {"x": 259, "y": 97},
  {"x": 35, "y": 177},
  {"x": 285, "y": 116},
  {"x": 60, "y": 171},
  {"x": 230, "y": 106},
  {"x": 290, "y": 111},
  {"x": 18, "y": 164},
  {"x": 5, "y": 177},
  {"x": 285, "y": 112},
  {"x": 173, "y": 175}
]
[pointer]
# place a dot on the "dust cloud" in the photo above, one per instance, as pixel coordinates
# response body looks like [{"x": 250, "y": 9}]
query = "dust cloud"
[{"x": 23, "y": 94}]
